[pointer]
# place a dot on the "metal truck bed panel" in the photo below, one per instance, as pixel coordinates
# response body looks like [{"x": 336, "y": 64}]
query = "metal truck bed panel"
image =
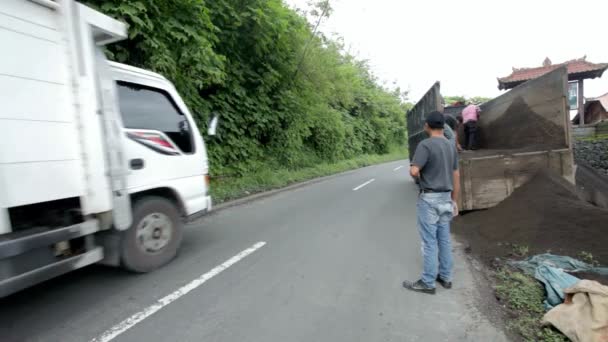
[
  {"x": 431, "y": 101},
  {"x": 532, "y": 115},
  {"x": 521, "y": 132},
  {"x": 487, "y": 180},
  {"x": 52, "y": 134},
  {"x": 40, "y": 158}
]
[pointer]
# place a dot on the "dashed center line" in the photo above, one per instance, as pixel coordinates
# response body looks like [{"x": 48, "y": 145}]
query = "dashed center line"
[
  {"x": 128, "y": 323},
  {"x": 364, "y": 184},
  {"x": 398, "y": 168}
]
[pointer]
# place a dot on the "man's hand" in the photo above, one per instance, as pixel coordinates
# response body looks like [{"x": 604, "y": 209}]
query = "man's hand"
[
  {"x": 455, "y": 211},
  {"x": 414, "y": 171},
  {"x": 456, "y": 186}
]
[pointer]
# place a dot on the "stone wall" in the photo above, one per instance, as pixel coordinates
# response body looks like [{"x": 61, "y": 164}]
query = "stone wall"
[
  {"x": 593, "y": 153},
  {"x": 583, "y": 131}
]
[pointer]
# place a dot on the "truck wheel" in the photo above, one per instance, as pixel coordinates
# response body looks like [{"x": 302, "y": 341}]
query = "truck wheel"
[{"x": 154, "y": 236}]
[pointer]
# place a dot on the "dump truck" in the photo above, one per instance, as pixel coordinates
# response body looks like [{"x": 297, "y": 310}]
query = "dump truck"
[
  {"x": 520, "y": 132},
  {"x": 100, "y": 162}
]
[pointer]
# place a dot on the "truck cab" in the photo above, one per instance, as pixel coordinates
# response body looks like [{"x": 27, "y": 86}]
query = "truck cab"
[
  {"x": 101, "y": 162},
  {"x": 167, "y": 181},
  {"x": 164, "y": 148}
]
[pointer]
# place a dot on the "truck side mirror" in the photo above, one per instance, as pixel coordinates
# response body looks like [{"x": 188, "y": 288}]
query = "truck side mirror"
[{"x": 212, "y": 126}]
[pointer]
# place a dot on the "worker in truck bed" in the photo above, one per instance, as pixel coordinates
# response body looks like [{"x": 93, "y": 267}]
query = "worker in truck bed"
[
  {"x": 450, "y": 131},
  {"x": 470, "y": 115}
]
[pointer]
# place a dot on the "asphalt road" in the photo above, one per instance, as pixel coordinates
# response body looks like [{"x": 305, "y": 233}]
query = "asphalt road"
[{"x": 331, "y": 269}]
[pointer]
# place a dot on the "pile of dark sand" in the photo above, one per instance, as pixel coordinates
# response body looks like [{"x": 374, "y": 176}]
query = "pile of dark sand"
[
  {"x": 544, "y": 214},
  {"x": 522, "y": 127}
]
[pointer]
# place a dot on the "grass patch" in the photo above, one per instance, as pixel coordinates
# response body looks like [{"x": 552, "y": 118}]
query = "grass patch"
[
  {"x": 588, "y": 258},
  {"x": 599, "y": 137},
  {"x": 523, "y": 297},
  {"x": 519, "y": 250},
  {"x": 225, "y": 189}
]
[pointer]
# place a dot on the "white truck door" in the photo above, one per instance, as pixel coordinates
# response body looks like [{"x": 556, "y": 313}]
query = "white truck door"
[{"x": 114, "y": 143}]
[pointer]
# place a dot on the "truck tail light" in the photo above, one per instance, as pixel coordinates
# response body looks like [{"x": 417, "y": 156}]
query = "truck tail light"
[
  {"x": 155, "y": 141},
  {"x": 207, "y": 181}
]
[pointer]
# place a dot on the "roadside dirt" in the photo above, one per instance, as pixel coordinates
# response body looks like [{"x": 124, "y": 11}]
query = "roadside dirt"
[
  {"x": 602, "y": 279},
  {"x": 592, "y": 185},
  {"x": 543, "y": 215},
  {"x": 485, "y": 300}
]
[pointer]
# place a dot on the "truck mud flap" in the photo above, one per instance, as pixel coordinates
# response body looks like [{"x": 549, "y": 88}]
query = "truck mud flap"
[{"x": 49, "y": 271}]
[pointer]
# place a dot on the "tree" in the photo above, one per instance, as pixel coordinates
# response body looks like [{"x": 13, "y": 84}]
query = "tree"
[
  {"x": 287, "y": 95},
  {"x": 451, "y": 100}
]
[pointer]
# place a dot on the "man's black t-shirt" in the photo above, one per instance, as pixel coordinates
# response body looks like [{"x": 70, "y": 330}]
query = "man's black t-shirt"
[{"x": 437, "y": 159}]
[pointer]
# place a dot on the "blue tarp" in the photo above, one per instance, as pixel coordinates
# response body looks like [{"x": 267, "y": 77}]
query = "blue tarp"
[
  {"x": 558, "y": 261},
  {"x": 555, "y": 281},
  {"x": 550, "y": 270}
]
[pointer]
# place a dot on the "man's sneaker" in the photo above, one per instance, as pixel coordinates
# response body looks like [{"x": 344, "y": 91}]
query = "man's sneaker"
[
  {"x": 445, "y": 284},
  {"x": 418, "y": 286}
]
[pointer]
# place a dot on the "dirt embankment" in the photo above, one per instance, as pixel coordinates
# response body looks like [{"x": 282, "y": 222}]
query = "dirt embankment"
[{"x": 543, "y": 215}]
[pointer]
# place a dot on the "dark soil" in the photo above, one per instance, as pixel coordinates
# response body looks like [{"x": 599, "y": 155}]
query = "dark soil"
[
  {"x": 521, "y": 127},
  {"x": 544, "y": 215},
  {"x": 603, "y": 279},
  {"x": 592, "y": 185}
]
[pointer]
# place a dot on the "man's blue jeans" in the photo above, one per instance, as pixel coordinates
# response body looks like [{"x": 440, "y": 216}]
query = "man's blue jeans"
[{"x": 434, "y": 211}]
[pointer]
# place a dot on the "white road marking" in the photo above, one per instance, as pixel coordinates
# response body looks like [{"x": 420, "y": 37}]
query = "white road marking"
[
  {"x": 364, "y": 184},
  {"x": 128, "y": 323},
  {"x": 398, "y": 168}
]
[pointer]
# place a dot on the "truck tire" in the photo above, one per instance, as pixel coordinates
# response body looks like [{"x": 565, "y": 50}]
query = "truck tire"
[{"x": 154, "y": 236}]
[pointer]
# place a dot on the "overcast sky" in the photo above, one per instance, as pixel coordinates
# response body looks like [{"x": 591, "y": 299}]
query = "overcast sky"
[{"x": 466, "y": 44}]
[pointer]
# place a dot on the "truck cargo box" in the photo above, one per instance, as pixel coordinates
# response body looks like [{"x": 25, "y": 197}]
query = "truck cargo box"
[{"x": 520, "y": 132}]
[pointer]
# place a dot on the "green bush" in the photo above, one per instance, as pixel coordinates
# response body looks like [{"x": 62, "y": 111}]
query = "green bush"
[
  {"x": 523, "y": 296},
  {"x": 285, "y": 96},
  {"x": 224, "y": 189}
]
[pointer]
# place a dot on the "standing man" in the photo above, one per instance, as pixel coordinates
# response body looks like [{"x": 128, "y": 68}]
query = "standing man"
[
  {"x": 436, "y": 165},
  {"x": 470, "y": 115}
]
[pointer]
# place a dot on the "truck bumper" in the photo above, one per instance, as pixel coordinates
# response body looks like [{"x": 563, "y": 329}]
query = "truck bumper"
[
  {"x": 193, "y": 217},
  {"x": 38, "y": 275},
  {"x": 27, "y": 257}
]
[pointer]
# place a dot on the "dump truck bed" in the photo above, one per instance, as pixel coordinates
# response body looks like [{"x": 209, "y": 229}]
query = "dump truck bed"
[{"x": 520, "y": 132}]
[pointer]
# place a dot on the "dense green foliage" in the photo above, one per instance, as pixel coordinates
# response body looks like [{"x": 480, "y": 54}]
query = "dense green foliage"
[
  {"x": 225, "y": 189},
  {"x": 450, "y": 100},
  {"x": 285, "y": 95}
]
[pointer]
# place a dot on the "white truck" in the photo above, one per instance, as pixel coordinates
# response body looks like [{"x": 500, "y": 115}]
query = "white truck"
[{"x": 99, "y": 162}]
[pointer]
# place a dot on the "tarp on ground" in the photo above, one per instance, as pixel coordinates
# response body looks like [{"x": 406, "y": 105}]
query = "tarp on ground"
[
  {"x": 565, "y": 263},
  {"x": 551, "y": 270}
]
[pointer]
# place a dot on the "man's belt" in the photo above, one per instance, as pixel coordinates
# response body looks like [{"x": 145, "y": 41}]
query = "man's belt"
[{"x": 430, "y": 191}]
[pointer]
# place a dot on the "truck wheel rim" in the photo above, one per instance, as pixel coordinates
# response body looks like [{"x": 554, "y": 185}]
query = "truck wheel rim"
[{"x": 154, "y": 232}]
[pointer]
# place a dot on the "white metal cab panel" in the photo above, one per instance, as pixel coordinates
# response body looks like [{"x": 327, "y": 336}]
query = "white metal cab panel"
[
  {"x": 164, "y": 140},
  {"x": 39, "y": 156},
  {"x": 91, "y": 28},
  {"x": 5, "y": 224},
  {"x": 52, "y": 116}
]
